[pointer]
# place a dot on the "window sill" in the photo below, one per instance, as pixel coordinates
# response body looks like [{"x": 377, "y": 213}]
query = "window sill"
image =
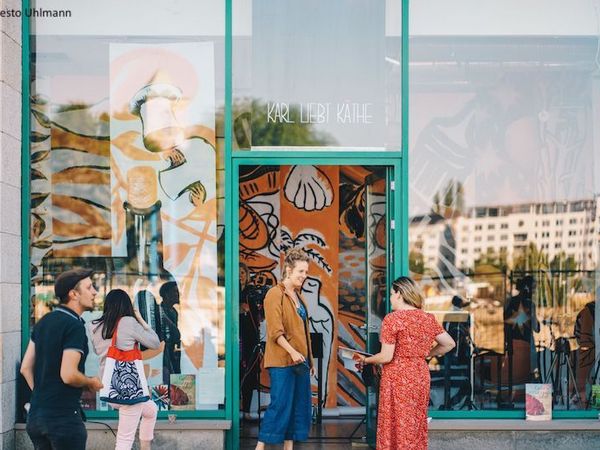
[{"x": 514, "y": 425}]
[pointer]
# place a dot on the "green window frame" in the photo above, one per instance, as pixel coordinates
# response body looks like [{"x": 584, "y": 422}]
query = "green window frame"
[
  {"x": 233, "y": 159},
  {"x": 215, "y": 414}
]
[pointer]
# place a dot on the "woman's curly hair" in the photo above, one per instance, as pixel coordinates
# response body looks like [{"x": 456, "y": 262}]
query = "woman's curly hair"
[{"x": 292, "y": 257}]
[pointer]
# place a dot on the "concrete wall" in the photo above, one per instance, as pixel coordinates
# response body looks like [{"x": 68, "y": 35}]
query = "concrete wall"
[
  {"x": 514, "y": 440},
  {"x": 10, "y": 219},
  {"x": 513, "y": 434},
  {"x": 182, "y": 435}
]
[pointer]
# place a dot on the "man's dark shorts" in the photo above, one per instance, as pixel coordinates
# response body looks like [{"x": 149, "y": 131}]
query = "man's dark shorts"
[{"x": 56, "y": 430}]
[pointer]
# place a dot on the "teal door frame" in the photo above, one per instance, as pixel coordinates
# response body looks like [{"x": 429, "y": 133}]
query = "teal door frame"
[
  {"x": 287, "y": 157},
  {"x": 373, "y": 315}
]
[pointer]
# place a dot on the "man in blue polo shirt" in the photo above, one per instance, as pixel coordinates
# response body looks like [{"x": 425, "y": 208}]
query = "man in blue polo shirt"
[{"x": 53, "y": 366}]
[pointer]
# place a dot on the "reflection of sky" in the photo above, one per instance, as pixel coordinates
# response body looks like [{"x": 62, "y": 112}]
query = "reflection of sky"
[
  {"x": 512, "y": 127},
  {"x": 79, "y": 66},
  {"x": 327, "y": 52}
]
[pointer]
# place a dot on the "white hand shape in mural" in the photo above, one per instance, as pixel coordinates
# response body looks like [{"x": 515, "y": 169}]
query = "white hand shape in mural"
[
  {"x": 308, "y": 188},
  {"x": 154, "y": 105},
  {"x": 199, "y": 164},
  {"x": 321, "y": 321}
]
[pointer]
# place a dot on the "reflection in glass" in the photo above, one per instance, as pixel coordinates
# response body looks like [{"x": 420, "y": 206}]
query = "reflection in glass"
[
  {"x": 315, "y": 74},
  {"x": 126, "y": 180},
  {"x": 504, "y": 212}
]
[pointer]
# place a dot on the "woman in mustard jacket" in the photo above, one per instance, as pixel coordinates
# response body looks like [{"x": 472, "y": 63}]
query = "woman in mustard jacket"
[{"x": 288, "y": 357}]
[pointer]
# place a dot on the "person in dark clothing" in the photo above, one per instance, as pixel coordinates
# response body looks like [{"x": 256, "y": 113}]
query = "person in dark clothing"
[
  {"x": 584, "y": 333},
  {"x": 170, "y": 330},
  {"x": 457, "y": 362},
  {"x": 251, "y": 299},
  {"x": 53, "y": 366},
  {"x": 519, "y": 314},
  {"x": 520, "y": 322}
]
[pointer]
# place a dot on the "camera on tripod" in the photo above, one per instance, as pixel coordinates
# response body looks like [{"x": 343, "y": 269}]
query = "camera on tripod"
[{"x": 562, "y": 345}]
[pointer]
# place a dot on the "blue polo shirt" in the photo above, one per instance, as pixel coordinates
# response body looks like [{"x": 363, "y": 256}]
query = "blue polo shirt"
[{"x": 59, "y": 330}]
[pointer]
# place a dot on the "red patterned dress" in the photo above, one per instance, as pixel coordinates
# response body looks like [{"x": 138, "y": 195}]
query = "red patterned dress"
[{"x": 404, "y": 388}]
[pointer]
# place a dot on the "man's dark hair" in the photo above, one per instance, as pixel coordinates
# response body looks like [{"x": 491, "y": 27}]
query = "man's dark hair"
[{"x": 69, "y": 280}]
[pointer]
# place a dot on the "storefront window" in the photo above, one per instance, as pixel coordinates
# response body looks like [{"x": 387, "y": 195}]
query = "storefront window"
[
  {"x": 504, "y": 214},
  {"x": 127, "y": 178},
  {"x": 316, "y": 74}
]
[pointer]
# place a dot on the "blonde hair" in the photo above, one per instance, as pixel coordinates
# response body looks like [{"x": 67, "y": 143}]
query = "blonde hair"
[
  {"x": 291, "y": 258},
  {"x": 409, "y": 291}
]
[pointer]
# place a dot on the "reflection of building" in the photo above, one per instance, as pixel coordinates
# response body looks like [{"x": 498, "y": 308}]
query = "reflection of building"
[
  {"x": 571, "y": 228},
  {"x": 431, "y": 237}
]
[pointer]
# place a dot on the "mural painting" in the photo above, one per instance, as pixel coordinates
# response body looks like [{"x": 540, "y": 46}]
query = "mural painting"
[
  {"x": 322, "y": 210},
  {"x": 126, "y": 183}
]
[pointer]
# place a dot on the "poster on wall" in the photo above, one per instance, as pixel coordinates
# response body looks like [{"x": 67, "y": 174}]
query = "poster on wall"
[
  {"x": 163, "y": 203},
  {"x": 538, "y": 401}
]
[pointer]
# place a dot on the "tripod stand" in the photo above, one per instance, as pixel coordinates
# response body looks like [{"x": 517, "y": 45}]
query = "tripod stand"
[{"x": 561, "y": 358}]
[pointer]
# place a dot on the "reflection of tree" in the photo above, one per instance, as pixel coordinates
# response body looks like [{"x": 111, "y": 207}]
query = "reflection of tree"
[
  {"x": 416, "y": 264},
  {"x": 450, "y": 198},
  {"x": 533, "y": 258},
  {"x": 563, "y": 262},
  {"x": 530, "y": 258},
  {"x": 250, "y": 128},
  {"x": 551, "y": 275},
  {"x": 491, "y": 260}
]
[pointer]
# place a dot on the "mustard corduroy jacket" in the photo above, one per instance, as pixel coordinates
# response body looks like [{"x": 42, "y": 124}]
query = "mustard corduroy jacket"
[{"x": 283, "y": 320}]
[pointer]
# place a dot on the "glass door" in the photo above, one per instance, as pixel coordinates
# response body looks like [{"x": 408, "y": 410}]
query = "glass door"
[
  {"x": 360, "y": 205},
  {"x": 379, "y": 260}
]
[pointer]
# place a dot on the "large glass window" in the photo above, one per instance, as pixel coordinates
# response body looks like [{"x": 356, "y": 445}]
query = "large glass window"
[
  {"x": 503, "y": 142},
  {"x": 316, "y": 74},
  {"x": 127, "y": 178}
]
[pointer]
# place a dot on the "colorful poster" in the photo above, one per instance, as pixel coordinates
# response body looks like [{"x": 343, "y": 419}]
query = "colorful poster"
[
  {"x": 182, "y": 392},
  {"x": 163, "y": 204},
  {"x": 160, "y": 395},
  {"x": 538, "y": 401},
  {"x": 309, "y": 202}
]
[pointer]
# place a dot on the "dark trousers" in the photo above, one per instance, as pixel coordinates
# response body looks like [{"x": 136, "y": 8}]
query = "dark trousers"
[
  {"x": 56, "y": 430},
  {"x": 289, "y": 413},
  {"x": 249, "y": 373},
  {"x": 248, "y": 385}
]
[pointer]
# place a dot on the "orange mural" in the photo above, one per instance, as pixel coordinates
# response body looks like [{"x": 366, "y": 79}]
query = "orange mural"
[
  {"x": 309, "y": 212},
  {"x": 321, "y": 210}
]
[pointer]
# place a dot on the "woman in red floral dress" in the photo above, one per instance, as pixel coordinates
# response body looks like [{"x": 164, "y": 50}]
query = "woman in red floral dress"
[{"x": 408, "y": 336}]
